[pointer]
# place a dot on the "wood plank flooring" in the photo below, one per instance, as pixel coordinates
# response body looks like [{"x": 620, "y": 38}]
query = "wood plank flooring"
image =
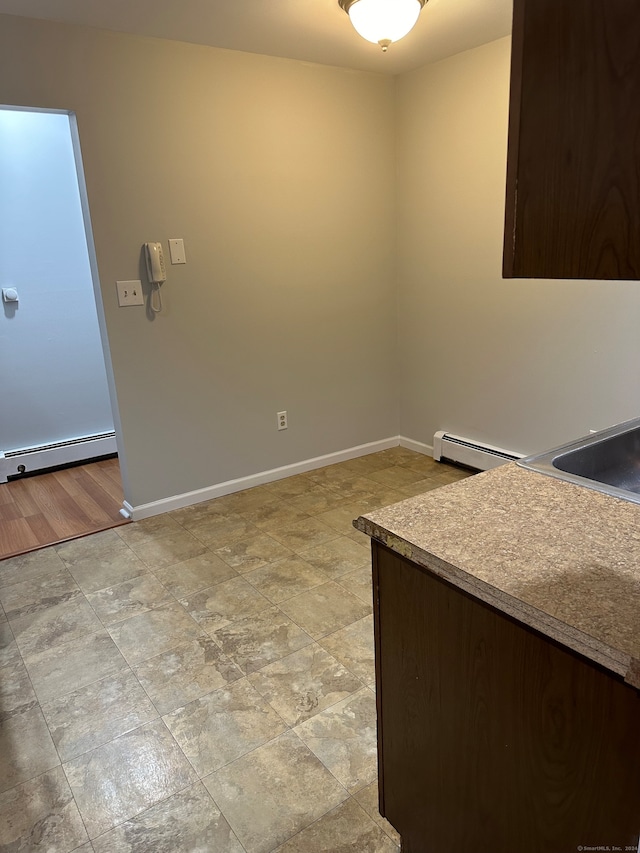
[{"x": 59, "y": 505}]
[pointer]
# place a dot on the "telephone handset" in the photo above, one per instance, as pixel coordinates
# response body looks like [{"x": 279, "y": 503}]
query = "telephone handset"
[{"x": 156, "y": 270}]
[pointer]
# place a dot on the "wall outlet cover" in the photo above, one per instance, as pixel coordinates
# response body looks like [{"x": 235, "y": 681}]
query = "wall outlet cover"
[{"x": 176, "y": 250}]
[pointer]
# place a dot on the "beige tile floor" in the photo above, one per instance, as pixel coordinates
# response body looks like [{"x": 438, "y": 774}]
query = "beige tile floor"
[{"x": 202, "y": 680}]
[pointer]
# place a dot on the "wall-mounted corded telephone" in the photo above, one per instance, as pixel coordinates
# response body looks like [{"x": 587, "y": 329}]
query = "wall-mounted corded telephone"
[{"x": 156, "y": 271}]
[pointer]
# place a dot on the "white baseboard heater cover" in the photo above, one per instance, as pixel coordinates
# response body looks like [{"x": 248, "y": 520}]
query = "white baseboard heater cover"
[
  {"x": 454, "y": 448},
  {"x": 59, "y": 453}
]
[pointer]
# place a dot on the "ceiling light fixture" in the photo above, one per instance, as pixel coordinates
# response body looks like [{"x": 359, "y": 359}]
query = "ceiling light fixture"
[{"x": 382, "y": 21}]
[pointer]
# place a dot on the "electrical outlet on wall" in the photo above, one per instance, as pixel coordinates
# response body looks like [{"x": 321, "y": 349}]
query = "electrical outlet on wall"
[{"x": 282, "y": 420}]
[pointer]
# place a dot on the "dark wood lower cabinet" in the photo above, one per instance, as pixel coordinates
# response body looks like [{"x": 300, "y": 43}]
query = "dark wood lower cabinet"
[{"x": 491, "y": 737}]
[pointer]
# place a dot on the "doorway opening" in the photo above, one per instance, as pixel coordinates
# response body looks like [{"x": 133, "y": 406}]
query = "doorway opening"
[{"x": 59, "y": 409}]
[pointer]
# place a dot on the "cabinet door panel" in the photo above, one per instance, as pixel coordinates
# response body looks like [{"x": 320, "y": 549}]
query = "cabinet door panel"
[
  {"x": 573, "y": 174},
  {"x": 491, "y": 737}
]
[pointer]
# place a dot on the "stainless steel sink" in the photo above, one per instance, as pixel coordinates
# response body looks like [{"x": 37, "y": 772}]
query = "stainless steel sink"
[{"x": 608, "y": 461}]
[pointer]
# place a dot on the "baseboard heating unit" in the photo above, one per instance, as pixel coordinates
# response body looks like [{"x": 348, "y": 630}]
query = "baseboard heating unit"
[
  {"x": 14, "y": 463},
  {"x": 473, "y": 454}
]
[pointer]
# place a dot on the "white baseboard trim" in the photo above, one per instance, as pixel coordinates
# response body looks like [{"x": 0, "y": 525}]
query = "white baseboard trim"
[
  {"x": 418, "y": 446},
  {"x": 137, "y": 513}
]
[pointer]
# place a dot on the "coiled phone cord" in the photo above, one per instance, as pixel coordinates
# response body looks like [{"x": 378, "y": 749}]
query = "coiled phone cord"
[{"x": 156, "y": 289}]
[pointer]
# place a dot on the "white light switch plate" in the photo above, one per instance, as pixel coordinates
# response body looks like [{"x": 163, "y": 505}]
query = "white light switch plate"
[
  {"x": 129, "y": 293},
  {"x": 176, "y": 250}
]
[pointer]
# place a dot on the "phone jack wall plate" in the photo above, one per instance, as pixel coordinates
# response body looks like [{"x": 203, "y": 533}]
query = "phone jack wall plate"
[{"x": 129, "y": 293}]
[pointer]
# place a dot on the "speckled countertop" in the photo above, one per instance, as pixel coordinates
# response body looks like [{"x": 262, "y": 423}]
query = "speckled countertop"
[{"x": 560, "y": 558}]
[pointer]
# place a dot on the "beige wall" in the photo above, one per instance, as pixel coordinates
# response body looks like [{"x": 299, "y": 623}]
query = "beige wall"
[
  {"x": 521, "y": 364},
  {"x": 279, "y": 175}
]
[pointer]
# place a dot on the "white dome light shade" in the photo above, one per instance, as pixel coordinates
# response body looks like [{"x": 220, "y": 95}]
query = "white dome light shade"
[{"x": 383, "y": 21}]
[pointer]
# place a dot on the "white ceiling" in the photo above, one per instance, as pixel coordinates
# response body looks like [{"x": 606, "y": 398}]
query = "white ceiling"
[{"x": 309, "y": 30}]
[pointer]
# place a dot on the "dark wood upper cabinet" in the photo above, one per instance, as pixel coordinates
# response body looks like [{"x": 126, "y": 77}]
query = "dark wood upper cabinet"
[{"x": 573, "y": 170}]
